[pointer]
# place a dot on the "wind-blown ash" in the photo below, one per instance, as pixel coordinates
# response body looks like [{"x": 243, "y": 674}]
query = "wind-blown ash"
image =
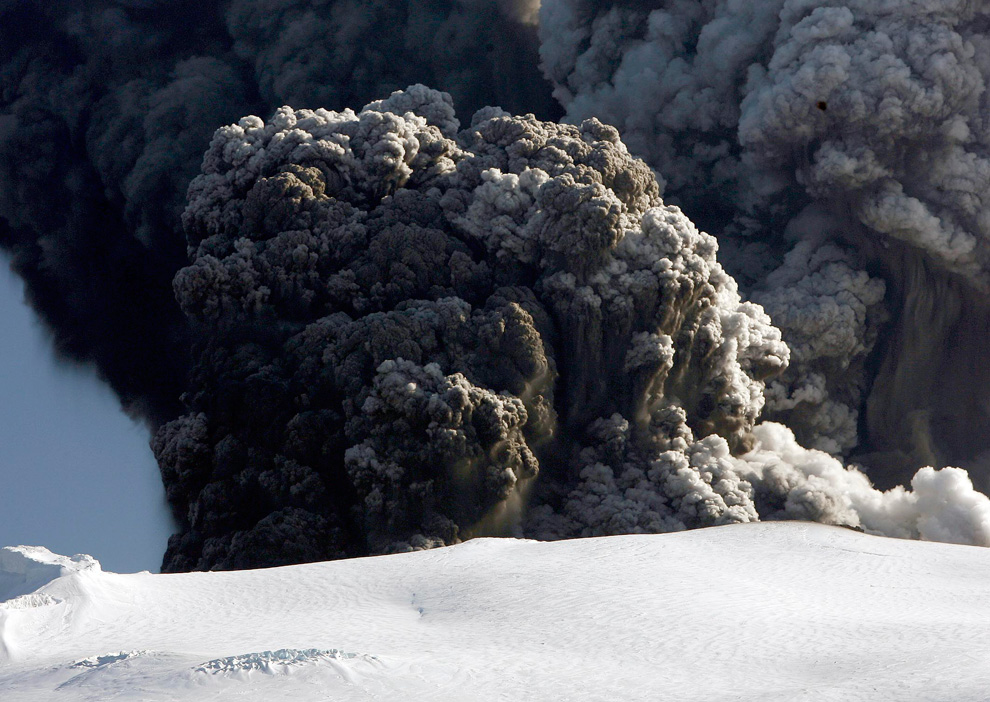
[{"x": 851, "y": 131}]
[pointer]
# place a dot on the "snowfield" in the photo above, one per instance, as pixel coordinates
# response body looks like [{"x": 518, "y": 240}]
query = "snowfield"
[{"x": 760, "y": 612}]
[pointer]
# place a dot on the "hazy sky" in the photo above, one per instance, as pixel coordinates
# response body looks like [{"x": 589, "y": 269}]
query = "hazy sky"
[{"x": 76, "y": 474}]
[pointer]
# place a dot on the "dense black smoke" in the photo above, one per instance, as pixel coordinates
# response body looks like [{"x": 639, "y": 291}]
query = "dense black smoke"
[
  {"x": 850, "y": 134},
  {"x": 400, "y": 323},
  {"x": 106, "y": 108}
]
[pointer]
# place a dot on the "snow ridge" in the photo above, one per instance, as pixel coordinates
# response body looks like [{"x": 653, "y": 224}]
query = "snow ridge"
[
  {"x": 24, "y": 569},
  {"x": 278, "y": 662},
  {"x": 108, "y": 659},
  {"x": 30, "y": 601}
]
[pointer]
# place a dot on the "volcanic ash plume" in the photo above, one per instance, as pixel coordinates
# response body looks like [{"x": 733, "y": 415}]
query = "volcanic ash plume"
[
  {"x": 853, "y": 133},
  {"x": 410, "y": 334}
]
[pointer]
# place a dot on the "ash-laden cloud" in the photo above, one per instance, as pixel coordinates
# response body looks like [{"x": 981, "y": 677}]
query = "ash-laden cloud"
[
  {"x": 343, "y": 53},
  {"x": 410, "y": 334},
  {"x": 394, "y": 334},
  {"x": 106, "y": 108},
  {"x": 853, "y": 133}
]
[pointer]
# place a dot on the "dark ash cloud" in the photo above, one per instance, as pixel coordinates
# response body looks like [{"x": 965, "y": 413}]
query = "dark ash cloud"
[
  {"x": 410, "y": 334},
  {"x": 106, "y": 108},
  {"x": 399, "y": 323}
]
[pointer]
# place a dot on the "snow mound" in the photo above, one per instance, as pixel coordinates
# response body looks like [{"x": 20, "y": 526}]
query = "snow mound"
[
  {"x": 778, "y": 610},
  {"x": 116, "y": 675},
  {"x": 107, "y": 659},
  {"x": 24, "y": 569},
  {"x": 280, "y": 662},
  {"x": 35, "y": 599}
]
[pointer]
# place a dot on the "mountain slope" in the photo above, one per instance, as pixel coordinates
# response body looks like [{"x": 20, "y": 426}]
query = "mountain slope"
[{"x": 753, "y": 612}]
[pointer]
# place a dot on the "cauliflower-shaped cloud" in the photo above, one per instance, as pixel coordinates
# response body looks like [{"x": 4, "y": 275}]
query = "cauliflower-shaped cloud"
[
  {"x": 410, "y": 333},
  {"x": 832, "y": 312},
  {"x": 413, "y": 334}
]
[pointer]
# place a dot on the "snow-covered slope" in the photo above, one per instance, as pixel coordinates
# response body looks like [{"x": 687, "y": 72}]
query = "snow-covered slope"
[{"x": 755, "y": 612}]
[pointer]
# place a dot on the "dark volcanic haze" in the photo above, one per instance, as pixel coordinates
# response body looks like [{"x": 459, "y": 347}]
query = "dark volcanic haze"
[
  {"x": 106, "y": 109},
  {"x": 360, "y": 332}
]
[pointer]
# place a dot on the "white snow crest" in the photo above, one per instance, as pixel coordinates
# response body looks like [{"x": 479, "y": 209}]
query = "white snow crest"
[
  {"x": 280, "y": 662},
  {"x": 29, "y": 601},
  {"x": 24, "y": 569},
  {"x": 108, "y": 659}
]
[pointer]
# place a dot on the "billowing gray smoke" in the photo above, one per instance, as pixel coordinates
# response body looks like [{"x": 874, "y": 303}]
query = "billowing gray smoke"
[
  {"x": 411, "y": 334},
  {"x": 106, "y": 108},
  {"x": 852, "y": 134}
]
